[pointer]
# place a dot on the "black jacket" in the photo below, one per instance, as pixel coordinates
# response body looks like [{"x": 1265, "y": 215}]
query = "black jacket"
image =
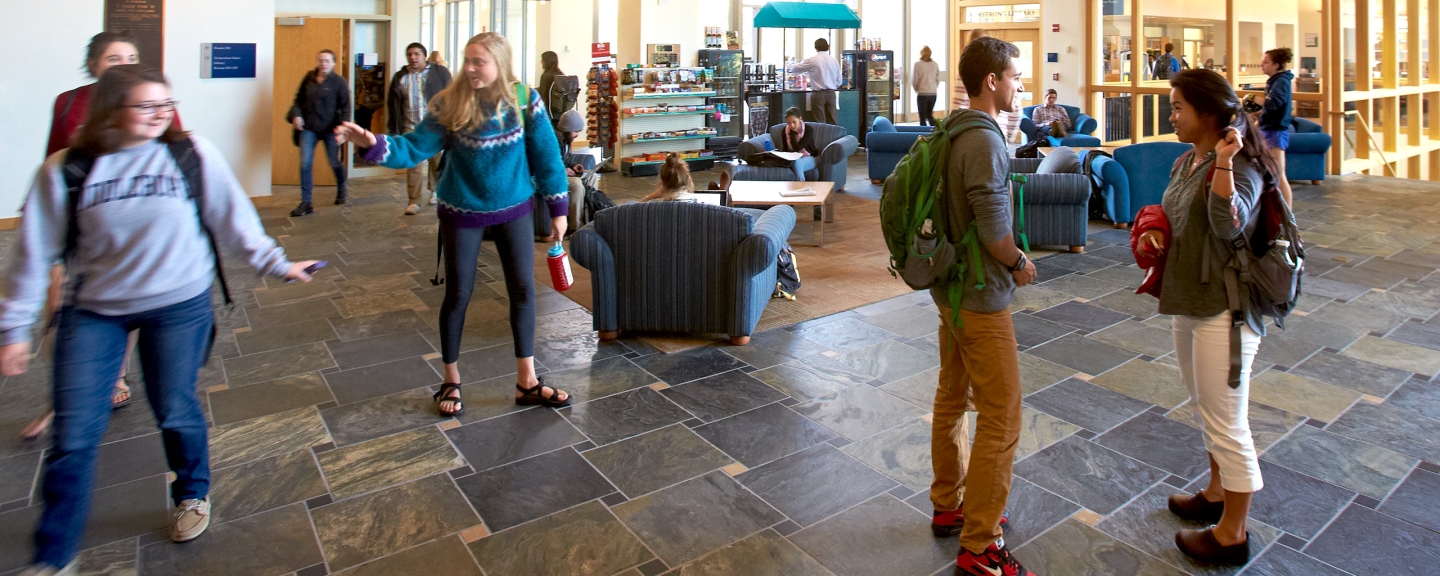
[
  {"x": 322, "y": 105},
  {"x": 807, "y": 142},
  {"x": 1277, "y": 102},
  {"x": 396, "y": 99}
]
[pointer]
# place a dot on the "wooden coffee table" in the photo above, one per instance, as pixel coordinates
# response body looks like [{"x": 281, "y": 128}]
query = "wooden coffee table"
[{"x": 750, "y": 193}]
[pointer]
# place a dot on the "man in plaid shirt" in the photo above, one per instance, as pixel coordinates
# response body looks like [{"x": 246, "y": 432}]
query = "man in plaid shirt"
[{"x": 1051, "y": 120}]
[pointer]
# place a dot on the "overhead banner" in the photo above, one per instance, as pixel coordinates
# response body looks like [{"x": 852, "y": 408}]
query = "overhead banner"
[{"x": 145, "y": 20}]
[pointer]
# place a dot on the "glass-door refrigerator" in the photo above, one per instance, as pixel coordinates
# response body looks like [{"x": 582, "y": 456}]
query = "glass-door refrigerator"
[
  {"x": 728, "y": 119},
  {"x": 871, "y": 72}
]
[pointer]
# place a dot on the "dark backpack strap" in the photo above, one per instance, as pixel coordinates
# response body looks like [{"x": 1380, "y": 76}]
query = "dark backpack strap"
[
  {"x": 439, "y": 250},
  {"x": 189, "y": 160},
  {"x": 75, "y": 170}
]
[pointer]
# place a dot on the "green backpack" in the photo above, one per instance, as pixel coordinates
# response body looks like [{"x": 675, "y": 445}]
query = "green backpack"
[{"x": 914, "y": 220}]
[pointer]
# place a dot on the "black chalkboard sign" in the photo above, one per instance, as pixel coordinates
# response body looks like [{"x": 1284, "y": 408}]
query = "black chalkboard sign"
[{"x": 145, "y": 19}]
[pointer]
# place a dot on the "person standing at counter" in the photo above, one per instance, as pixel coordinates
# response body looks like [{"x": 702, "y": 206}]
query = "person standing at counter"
[
  {"x": 824, "y": 73},
  {"x": 924, "y": 78}
]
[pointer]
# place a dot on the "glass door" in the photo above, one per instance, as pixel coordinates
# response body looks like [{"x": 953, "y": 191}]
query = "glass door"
[{"x": 879, "y": 86}]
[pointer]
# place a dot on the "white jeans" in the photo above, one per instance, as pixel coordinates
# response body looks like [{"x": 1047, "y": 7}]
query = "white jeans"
[{"x": 1202, "y": 346}]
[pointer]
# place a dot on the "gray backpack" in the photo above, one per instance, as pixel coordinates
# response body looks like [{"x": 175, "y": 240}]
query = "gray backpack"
[{"x": 1270, "y": 264}]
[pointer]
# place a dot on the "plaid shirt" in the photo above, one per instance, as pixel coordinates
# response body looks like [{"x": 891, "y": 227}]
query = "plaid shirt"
[{"x": 1044, "y": 115}]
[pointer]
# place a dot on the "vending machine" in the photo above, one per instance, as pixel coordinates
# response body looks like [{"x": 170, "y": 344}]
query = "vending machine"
[
  {"x": 871, "y": 72},
  {"x": 728, "y": 118}
]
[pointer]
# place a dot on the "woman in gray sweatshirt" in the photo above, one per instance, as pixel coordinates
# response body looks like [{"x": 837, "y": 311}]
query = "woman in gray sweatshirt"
[{"x": 136, "y": 240}]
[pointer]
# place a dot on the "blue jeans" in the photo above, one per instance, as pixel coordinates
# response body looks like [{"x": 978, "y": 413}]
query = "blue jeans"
[
  {"x": 803, "y": 165},
  {"x": 308, "y": 140},
  {"x": 174, "y": 343}
]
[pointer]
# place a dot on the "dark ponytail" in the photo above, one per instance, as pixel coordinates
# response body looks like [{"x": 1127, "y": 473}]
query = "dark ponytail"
[{"x": 1211, "y": 96}]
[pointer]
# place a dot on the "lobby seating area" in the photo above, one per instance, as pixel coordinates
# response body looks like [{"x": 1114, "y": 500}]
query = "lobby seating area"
[{"x": 836, "y": 147}]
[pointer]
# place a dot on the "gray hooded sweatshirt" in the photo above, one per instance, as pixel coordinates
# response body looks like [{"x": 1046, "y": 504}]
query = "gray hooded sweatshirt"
[{"x": 140, "y": 244}]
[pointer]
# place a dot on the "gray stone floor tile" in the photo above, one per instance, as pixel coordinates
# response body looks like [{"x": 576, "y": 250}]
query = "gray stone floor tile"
[
  {"x": 846, "y": 334},
  {"x": 1285, "y": 348},
  {"x": 447, "y": 555},
  {"x": 1417, "y": 396},
  {"x": 722, "y": 395},
  {"x": 774, "y": 347},
  {"x": 909, "y": 321},
  {"x": 505, "y": 439},
  {"x": 1391, "y": 428},
  {"x": 240, "y": 491},
  {"x": 382, "y": 379},
  {"x": 1138, "y": 337},
  {"x": 888, "y": 361},
  {"x": 1083, "y": 354},
  {"x": 236, "y": 404},
  {"x": 1031, "y": 331},
  {"x": 655, "y": 460},
  {"x": 267, "y": 366},
  {"x": 545, "y": 547},
  {"x": 1082, "y": 316},
  {"x": 1159, "y": 442},
  {"x": 18, "y": 474},
  {"x": 369, "y": 419},
  {"x": 1281, "y": 561},
  {"x": 1072, "y": 548},
  {"x": 275, "y": 542},
  {"x": 1351, "y": 464},
  {"x": 1037, "y": 374},
  {"x": 1078, "y": 262},
  {"x": 598, "y": 380},
  {"x": 1364, "y": 541},
  {"x": 918, "y": 390},
  {"x": 1092, "y": 407},
  {"x": 1082, "y": 286},
  {"x": 1152, "y": 382},
  {"x": 681, "y": 367},
  {"x": 275, "y": 338},
  {"x": 764, "y": 554},
  {"x": 764, "y": 434},
  {"x": 902, "y": 453},
  {"x": 377, "y": 524},
  {"x": 880, "y": 537},
  {"x": 378, "y": 350},
  {"x": 807, "y": 381},
  {"x": 533, "y": 488},
  {"x": 815, "y": 483},
  {"x": 1147, "y": 524},
  {"x": 1095, "y": 477},
  {"x": 1291, "y": 501},
  {"x": 1416, "y": 500},
  {"x": 665, "y": 520},
  {"x": 1033, "y": 510},
  {"x": 1354, "y": 374},
  {"x": 858, "y": 412},
  {"x": 624, "y": 415}
]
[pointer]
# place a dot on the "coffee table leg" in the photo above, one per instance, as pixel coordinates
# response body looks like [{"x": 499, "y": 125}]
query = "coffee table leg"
[
  {"x": 820, "y": 231},
  {"x": 829, "y": 211}
]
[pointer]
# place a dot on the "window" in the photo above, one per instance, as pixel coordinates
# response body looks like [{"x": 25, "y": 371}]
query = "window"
[{"x": 1115, "y": 45}]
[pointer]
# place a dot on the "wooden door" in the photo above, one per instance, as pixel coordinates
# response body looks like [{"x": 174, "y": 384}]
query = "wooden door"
[
  {"x": 295, "y": 50},
  {"x": 1030, "y": 61}
]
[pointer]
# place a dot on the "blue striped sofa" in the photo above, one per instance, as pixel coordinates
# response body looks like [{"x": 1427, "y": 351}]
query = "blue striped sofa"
[
  {"x": 682, "y": 266},
  {"x": 1057, "y": 207},
  {"x": 836, "y": 147}
]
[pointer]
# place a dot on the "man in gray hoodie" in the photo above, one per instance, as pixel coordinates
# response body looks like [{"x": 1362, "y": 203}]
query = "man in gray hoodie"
[{"x": 979, "y": 361}]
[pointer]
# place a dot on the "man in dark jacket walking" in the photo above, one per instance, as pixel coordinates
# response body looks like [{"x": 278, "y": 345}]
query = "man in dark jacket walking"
[
  {"x": 321, "y": 104},
  {"x": 411, "y": 91}
]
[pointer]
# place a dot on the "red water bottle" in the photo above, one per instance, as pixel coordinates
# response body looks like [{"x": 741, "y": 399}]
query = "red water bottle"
[{"x": 560, "y": 274}]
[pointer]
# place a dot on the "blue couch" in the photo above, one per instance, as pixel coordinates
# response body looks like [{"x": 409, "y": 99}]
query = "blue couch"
[
  {"x": 682, "y": 266},
  {"x": 1147, "y": 172},
  {"x": 1305, "y": 158},
  {"x": 1057, "y": 207},
  {"x": 886, "y": 144},
  {"x": 836, "y": 147},
  {"x": 1114, "y": 186},
  {"x": 1082, "y": 126}
]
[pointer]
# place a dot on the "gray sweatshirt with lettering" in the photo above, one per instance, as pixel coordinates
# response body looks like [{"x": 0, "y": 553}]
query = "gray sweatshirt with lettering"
[{"x": 140, "y": 245}]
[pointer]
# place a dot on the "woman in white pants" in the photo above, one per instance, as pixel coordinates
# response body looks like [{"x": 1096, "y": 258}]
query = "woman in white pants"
[{"x": 1211, "y": 200}]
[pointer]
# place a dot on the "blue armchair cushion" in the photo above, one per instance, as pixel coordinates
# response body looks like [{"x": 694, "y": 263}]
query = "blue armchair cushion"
[
  {"x": 1059, "y": 161},
  {"x": 882, "y": 124},
  {"x": 836, "y": 149},
  {"x": 1147, "y": 169}
]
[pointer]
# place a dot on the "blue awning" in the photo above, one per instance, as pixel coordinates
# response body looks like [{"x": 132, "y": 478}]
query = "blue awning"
[{"x": 806, "y": 15}]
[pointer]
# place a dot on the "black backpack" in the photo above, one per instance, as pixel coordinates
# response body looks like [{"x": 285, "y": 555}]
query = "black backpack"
[
  {"x": 595, "y": 201},
  {"x": 77, "y": 168},
  {"x": 787, "y": 276},
  {"x": 1164, "y": 66},
  {"x": 1097, "y": 184}
]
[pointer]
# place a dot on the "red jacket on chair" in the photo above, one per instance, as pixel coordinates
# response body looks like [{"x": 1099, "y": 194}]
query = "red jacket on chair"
[{"x": 1151, "y": 217}]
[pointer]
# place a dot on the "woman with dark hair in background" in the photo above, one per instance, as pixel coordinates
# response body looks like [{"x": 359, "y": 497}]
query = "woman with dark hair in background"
[
  {"x": 1275, "y": 115},
  {"x": 796, "y": 138},
  {"x": 1211, "y": 201},
  {"x": 321, "y": 104},
  {"x": 549, "y": 69},
  {"x": 142, "y": 240}
]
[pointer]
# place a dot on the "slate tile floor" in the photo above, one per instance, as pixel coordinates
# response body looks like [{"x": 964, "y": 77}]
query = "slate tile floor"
[{"x": 805, "y": 452}]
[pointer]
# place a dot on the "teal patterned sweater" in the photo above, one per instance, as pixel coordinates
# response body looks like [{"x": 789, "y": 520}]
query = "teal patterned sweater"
[{"x": 491, "y": 173}]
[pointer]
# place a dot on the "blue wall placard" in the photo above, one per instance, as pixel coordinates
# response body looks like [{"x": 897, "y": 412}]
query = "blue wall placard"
[
  {"x": 227, "y": 60},
  {"x": 1052, "y": 56}
]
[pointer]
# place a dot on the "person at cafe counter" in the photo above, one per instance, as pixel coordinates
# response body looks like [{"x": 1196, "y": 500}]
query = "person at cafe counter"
[{"x": 824, "y": 73}]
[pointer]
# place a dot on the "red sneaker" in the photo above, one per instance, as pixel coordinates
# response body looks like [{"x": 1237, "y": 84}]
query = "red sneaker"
[
  {"x": 950, "y": 523},
  {"x": 994, "y": 561}
]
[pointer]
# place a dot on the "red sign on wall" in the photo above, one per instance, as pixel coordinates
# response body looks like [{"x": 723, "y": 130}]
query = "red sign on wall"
[{"x": 600, "y": 50}]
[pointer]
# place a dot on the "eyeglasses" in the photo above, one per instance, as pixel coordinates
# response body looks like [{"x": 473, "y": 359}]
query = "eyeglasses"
[{"x": 153, "y": 108}]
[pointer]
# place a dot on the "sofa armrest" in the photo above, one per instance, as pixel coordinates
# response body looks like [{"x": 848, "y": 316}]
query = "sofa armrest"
[
  {"x": 753, "y": 146},
  {"x": 1027, "y": 126},
  {"x": 890, "y": 141},
  {"x": 1084, "y": 124},
  {"x": 837, "y": 151},
  {"x": 593, "y": 252},
  {"x": 919, "y": 129},
  {"x": 759, "y": 250},
  {"x": 1024, "y": 165},
  {"x": 1309, "y": 143}
]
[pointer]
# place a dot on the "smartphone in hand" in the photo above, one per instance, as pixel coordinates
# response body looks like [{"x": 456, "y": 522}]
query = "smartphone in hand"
[{"x": 311, "y": 269}]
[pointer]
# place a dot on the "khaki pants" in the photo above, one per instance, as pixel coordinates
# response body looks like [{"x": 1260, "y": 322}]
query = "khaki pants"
[
  {"x": 577, "y": 204},
  {"x": 417, "y": 177},
  {"x": 978, "y": 362}
]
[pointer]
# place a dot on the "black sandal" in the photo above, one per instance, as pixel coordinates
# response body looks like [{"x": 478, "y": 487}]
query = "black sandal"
[
  {"x": 443, "y": 396},
  {"x": 534, "y": 396}
]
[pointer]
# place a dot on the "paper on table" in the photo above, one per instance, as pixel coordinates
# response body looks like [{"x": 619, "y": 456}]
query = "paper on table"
[
  {"x": 800, "y": 192},
  {"x": 790, "y": 156}
]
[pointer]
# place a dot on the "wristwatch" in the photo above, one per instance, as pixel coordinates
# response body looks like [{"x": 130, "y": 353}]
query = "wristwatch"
[{"x": 1020, "y": 265}]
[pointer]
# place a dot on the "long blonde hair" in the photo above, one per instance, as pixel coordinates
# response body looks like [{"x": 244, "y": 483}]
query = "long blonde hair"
[{"x": 462, "y": 108}]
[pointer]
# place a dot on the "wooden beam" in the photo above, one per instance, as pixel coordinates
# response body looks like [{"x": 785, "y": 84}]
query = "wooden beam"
[
  {"x": 1364, "y": 47},
  {"x": 1232, "y": 42},
  {"x": 1389, "y": 45},
  {"x": 1333, "y": 82},
  {"x": 1415, "y": 125},
  {"x": 1137, "y": 52},
  {"x": 1415, "y": 68},
  {"x": 1434, "y": 20},
  {"x": 1390, "y": 115}
]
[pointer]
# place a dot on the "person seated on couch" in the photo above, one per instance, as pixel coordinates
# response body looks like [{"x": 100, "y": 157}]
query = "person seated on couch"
[
  {"x": 1050, "y": 119},
  {"x": 797, "y": 139},
  {"x": 675, "y": 182},
  {"x": 567, "y": 130}
]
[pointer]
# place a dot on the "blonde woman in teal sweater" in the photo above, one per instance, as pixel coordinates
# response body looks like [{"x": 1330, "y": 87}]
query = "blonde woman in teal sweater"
[{"x": 498, "y": 157}]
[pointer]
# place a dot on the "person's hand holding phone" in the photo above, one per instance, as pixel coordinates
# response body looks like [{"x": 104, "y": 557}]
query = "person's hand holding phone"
[{"x": 301, "y": 271}]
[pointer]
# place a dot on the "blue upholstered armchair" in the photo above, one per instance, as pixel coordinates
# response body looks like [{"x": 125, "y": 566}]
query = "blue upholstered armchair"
[
  {"x": 681, "y": 266},
  {"x": 1147, "y": 169},
  {"x": 886, "y": 144},
  {"x": 1305, "y": 158},
  {"x": 1057, "y": 207},
  {"x": 1114, "y": 187},
  {"x": 836, "y": 147},
  {"x": 1082, "y": 127}
]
